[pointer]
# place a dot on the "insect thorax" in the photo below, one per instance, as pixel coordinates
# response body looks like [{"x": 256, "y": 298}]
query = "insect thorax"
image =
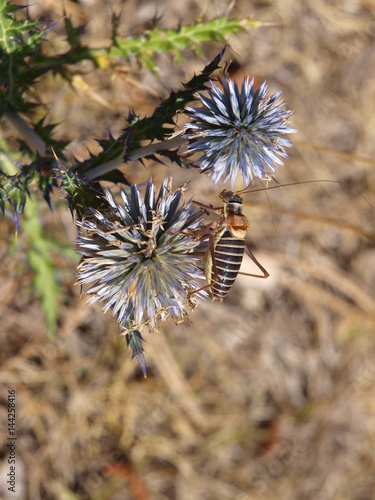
[
  {"x": 232, "y": 203},
  {"x": 234, "y": 218}
]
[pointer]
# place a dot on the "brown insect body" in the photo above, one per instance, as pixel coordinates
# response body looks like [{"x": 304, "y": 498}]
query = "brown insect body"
[
  {"x": 223, "y": 265},
  {"x": 226, "y": 246}
]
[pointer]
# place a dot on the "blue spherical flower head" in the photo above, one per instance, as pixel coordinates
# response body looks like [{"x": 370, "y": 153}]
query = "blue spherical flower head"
[
  {"x": 238, "y": 131},
  {"x": 139, "y": 256}
]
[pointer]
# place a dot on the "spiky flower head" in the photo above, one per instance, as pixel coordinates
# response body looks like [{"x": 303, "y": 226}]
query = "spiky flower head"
[
  {"x": 139, "y": 256},
  {"x": 238, "y": 131}
]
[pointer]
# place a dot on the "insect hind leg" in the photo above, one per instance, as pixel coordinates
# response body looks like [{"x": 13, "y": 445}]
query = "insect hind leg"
[{"x": 253, "y": 258}]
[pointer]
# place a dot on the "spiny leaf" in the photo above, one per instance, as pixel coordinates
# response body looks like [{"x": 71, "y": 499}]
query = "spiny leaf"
[
  {"x": 153, "y": 127},
  {"x": 23, "y": 60},
  {"x": 80, "y": 193},
  {"x": 112, "y": 149},
  {"x": 45, "y": 132},
  {"x": 14, "y": 190},
  {"x": 73, "y": 34},
  {"x": 20, "y": 41},
  {"x": 18, "y": 37},
  {"x": 134, "y": 340},
  {"x": 46, "y": 180},
  {"x": 174, "y": 41}
]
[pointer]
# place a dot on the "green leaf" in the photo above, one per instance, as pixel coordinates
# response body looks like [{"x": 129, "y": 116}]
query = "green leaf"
[
  {"x": 175, "y": 41},
  {"x": 13, "y": 190},
  {"x": 23, "y": 60},
  {"x": 153, "y": 127},
  {"x": 44, "y": 271},
  {"x": 134, "y": 340},
  {"x": 80, "y": 193},
  {"x": 20, "y": 41}
]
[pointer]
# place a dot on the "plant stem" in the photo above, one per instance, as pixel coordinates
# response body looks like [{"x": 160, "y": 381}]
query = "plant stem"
[
  {"x": 37, "y": 145},
  {"x": 32, "y": 139},
  {"x": 156, "y": 147}
]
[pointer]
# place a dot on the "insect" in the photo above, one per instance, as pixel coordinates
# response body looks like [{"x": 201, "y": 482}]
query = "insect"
[{"x": 226, "y": 246}]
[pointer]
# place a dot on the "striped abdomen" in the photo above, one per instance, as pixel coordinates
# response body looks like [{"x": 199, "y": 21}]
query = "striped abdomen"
[{"x": 229, "y": 253}]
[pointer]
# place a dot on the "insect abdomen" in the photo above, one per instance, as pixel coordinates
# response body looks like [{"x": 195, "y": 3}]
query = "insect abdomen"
[{"x": 229, "y": 253}]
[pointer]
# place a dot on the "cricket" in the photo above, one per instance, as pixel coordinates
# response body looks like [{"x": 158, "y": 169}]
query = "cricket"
[{"x": 226, "y": 246}]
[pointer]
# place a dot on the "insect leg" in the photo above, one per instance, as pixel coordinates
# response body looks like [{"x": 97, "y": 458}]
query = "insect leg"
[
  {"x": 211, "y": 249},
  {"x": 196, "y": 235},
  {"x": 208, "y": 208},
  {"x": 198, "y": 290},
  {"x": 207, "y": 229},
  {"x": 252, "y": 257},
  {"x": 210, "y": 252}
]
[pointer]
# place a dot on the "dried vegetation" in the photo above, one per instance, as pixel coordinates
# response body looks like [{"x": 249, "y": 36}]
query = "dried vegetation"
[{"x": 268, "y": 395}]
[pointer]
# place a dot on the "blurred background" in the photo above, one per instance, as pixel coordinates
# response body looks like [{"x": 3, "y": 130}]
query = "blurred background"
[{"x": 268, "y": 395}]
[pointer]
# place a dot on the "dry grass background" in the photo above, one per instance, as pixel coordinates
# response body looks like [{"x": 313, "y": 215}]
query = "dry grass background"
[{"x": 268, "y": 395}]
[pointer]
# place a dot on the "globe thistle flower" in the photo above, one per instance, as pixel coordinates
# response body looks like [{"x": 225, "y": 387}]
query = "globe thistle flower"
[
  {"x": 238, "y": 132},
  {"x": 140, "y": 257}
]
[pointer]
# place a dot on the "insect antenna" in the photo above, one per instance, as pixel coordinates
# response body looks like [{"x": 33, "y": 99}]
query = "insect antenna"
[
  {"x": 325, "y": 219},
  {"x": 298, "y": 183}
]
